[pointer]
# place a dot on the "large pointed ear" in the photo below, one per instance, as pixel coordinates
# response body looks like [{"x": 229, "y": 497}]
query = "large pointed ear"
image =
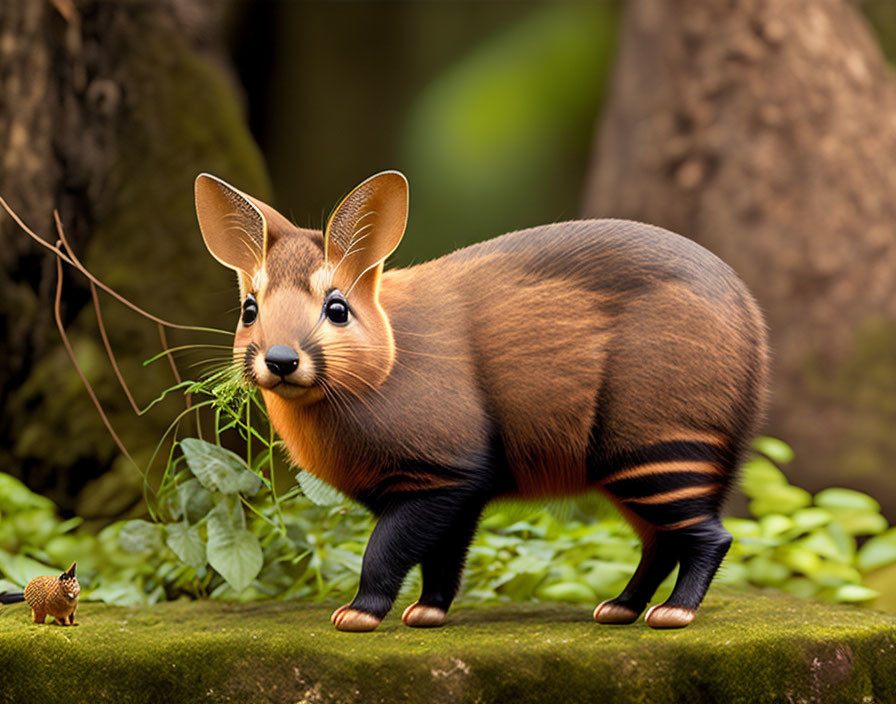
[
  {"x": 365, "y": 228},
  {"x": 233, "y": 225}
]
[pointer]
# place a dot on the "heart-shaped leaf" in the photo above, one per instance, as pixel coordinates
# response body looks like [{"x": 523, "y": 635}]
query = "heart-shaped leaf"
[
  {"x": 185, "y": 542},
  {"x": 232, "y": 551},
  {"x": 140, "y": 537},
  {"x": 216, "y": 468}
]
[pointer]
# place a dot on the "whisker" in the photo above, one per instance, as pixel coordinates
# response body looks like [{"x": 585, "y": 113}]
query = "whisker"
[{"x": 374, "y": 348}]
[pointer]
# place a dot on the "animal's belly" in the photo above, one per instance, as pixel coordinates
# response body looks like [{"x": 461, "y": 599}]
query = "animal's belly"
[{"x": 545, "y": 473}]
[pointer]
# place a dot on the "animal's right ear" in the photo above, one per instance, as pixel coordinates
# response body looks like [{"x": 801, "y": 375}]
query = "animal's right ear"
[{"x": 233, "y": 225}]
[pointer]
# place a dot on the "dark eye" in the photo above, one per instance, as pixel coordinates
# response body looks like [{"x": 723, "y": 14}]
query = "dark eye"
[
  {"x": 336, "y": 310},
  {"x": 250, "y": 310}
]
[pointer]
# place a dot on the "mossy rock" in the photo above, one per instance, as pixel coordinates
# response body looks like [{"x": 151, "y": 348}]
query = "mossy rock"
[{"x": 743, "y": 647}]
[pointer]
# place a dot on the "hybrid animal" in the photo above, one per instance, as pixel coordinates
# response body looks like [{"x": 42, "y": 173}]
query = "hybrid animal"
[
  {"x": 589, "y": 355},
  {"x": 50, "y": 596}
]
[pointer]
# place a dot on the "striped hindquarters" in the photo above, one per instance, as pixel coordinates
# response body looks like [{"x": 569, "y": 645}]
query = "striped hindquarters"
[{"x": 670, "y": 485}]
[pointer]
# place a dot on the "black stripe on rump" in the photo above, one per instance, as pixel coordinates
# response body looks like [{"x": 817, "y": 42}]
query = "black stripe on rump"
[
  {"x": 678, "y": 510},
  {"x": 659, "y": 481},
  {"x": 669, "y": 451}
]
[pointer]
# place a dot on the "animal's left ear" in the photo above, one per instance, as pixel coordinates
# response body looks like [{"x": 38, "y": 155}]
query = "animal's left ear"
[{"x": 365, "y": 228}]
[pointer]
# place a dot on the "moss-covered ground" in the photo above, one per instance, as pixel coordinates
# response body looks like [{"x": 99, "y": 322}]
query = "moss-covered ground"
[{"x": 743, "y": 647}]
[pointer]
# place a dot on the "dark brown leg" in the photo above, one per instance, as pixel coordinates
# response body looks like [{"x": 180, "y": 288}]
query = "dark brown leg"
[
  {"x": 701, "y": 549},
  {"x": 671, "y": 492},
  {"x": 657, "y": 561}
]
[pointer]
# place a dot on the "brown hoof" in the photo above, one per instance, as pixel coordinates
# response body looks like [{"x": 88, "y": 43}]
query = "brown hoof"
[
  {"x": 346, "y": 619},
  {"x": 614, "y": 613},
  {"x": 662, "y": 616},
  {"x": 420, "y": 616}
]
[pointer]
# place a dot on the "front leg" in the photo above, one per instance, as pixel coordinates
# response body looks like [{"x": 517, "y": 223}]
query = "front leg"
[
  {"x": 442, "y": 571},
  {"x": 408, "y": 530}
]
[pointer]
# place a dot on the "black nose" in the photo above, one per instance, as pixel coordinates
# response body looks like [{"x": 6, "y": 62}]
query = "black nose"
[{"x": 282, "y": 360}]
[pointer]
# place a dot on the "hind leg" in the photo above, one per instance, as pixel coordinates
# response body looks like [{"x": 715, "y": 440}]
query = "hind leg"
[
  {"x": 671, "y": 492},
  {"x": 700, "y": 549},
  {"x": 657, "y": 561}
]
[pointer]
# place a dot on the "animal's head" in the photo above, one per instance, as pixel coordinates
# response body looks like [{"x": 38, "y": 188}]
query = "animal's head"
[
  {"x": 311, "y": 323},
  {"x": 68, "y": 583}
]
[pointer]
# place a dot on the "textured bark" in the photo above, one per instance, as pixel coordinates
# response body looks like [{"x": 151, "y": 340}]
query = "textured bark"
[
  {"x": 107, "y": 112},
  {"x": 765, "y": 130}
]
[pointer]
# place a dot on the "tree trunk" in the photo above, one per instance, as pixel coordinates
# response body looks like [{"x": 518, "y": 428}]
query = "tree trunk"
[
  {"x": 765, "y": 130},
  {"x": 108, "y": 112}
]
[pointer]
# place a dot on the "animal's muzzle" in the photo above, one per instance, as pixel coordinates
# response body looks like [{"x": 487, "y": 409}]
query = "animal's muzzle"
[{"x": 282, "y": 360}]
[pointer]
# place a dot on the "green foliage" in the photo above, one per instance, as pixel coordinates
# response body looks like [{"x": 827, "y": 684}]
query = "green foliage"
[{"x": 805, "y": 545}]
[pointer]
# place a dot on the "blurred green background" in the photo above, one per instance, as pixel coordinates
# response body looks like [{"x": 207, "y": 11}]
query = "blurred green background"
[{"x": 488, "y": 108}]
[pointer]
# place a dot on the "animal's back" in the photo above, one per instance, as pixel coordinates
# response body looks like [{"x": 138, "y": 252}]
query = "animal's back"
[
  {"x": 596, "y": 339},
  {"x": 38, "y": 591}
]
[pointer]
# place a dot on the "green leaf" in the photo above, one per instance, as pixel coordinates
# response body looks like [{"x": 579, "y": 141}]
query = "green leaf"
[
  {"x": 807, "y": 519},
  {"x": 774, "y": 524},
  {"x": 140, "y": 537},
  {"x": 318, "y": 490},
  {"x": 184, "y": 541},
  {"x": 798, "y": 559},
  {"x": 195, "y": 500},
  {"x": 839, "y": 498},
  {"x": 835, "y": 574},
  {"x": 119, "y": 593},
  {"x": 776, "y": 450},
  {"x": 20, "y": 569},
  {"x": 742, "y": 528},
  {"x": 216, "y": 468},
  {"x": 845, "y": 542},
  {"x": 566, "y": 591},
  {"x": 766, "y": 572},
  {"x": 779, "y": 499},
  {"x": 800, "y": 586},
  {"x": 15, "y": 496},
  {"x": 823, "y": 543},
  {"x": 758, "y": 474},
  {"x": 250, "y": 483},
  {"x": 605, "y": 577},
  {"x": 860, "y": 522},
  {"x": 521, "y": 586},
  {"x": 233, "y": 552},
  {"x": 854, "y": 593},
  {"x": 731, "y": 573},
  {"x": 878, "y": 552}
]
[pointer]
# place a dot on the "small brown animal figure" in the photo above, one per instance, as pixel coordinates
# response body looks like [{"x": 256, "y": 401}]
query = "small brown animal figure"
[
  {"x": 591, "y": 355},
  {"x": 50, "y": 596}
]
